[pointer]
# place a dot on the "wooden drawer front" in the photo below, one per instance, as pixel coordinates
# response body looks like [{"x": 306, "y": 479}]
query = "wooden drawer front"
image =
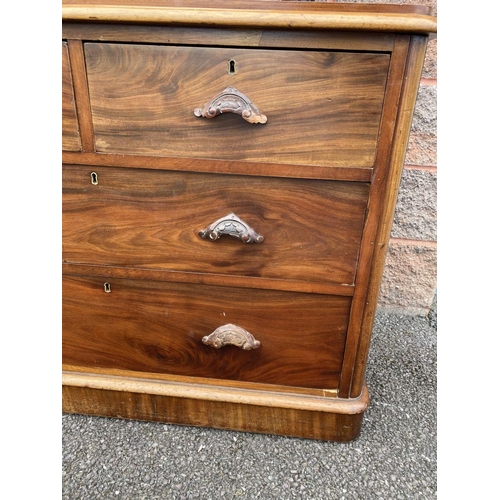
[
  {"x": 323, "y": 108},
  {"x": 152, "y": 218},
  {"x": 70, "y": 133},
  {"x": 158, "y": 327}
]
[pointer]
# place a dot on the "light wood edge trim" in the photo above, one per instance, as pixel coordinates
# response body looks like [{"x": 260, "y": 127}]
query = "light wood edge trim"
[
  {"x": 406, "y": 23},
  {"x": 210, "y": 392},
  {"x": 397, "y": 70},
  {"x": 411, "y": 80}
]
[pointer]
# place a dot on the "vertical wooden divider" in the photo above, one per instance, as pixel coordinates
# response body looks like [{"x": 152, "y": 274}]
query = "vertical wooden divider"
[
  {"x": 84, "y": 113},
  {"x": 406, "y": 107},
  {"x": 377, "y": 192}
]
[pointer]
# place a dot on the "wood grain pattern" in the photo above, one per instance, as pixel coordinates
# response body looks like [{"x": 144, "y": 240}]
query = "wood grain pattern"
[
  {"x": 275, "y": 14},
  {"x": 225, "y": 36},
  {"x": 319, "y": 180},
  {"x": 416, "y": 56},
  {"x": 279, "y": 5},
  {"x": 284, "y": 396},
  {"x": 377, "y": 193},
  {"x": 75, "y": 48},
  {"x": 219, "y": 166},
  {"x": 324, "y": 425},
  {"x": 159, "y": 327},
  {"x": 209, "y": 279},
  {"x": 70, "y": 133},
  {"x": 323, "y": 108},
  {"x": 151, "y": 219}
]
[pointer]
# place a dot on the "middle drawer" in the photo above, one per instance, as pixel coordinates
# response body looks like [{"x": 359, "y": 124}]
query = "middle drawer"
[{"x": 155, "y": 220}]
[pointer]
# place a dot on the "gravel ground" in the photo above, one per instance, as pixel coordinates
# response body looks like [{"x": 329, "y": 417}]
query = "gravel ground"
[{"x": 395, "y": 456}]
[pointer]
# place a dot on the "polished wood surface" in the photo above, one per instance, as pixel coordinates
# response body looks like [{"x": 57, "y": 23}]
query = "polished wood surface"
[
  {"x": 284, "y": 396},
  {"x": 148, "y": 304},
  {"x": 321, "y": 425},
  {"x": 218, "y": 166},
  {"x": 227, "y": 36},
  {"x": 202, "y": 278},
  {"x": 159, "y": 327},
  {"x": 152, "y": 218},
  {"x": 416, "y": 55},
  {"x": 415, "y": 19},
  {"x": 77, "y": 57},
  {"x": 322, "y": 108},
  {"x": 377, "y": 193},
  {"x": 70, "y": 133},
  {"x": 236, "y": 6},
  {"x": 192, "y": 401}
]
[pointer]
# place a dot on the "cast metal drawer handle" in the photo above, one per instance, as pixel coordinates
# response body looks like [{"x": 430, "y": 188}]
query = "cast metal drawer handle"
[
  {"x": 231, "y": 100},
  {"x": 231, "y": 225},
  {"x": 231, "y": 335}
]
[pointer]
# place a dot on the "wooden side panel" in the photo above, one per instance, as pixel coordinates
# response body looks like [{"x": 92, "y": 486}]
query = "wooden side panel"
[
  {"x": 378, "y": 190},
  {"x": 416, "y": 56},
  {"x": 152, "y": 218},
  {"x": 323, "y": 108},
  {"x": 158, "y": 327},
  {"x": 70, "y": 133}
]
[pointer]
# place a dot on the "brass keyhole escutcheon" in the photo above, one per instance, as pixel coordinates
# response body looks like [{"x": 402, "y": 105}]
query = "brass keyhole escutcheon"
[
  {"x": 93, "y": 178},
  {"x": 107, "y": 287}
]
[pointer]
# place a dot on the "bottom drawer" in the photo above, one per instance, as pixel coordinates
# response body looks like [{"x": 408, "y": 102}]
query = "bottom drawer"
[{"x": 159, "y": 327}]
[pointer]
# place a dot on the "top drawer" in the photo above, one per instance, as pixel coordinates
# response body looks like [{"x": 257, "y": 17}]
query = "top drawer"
[{"x": 322, "y": 108}]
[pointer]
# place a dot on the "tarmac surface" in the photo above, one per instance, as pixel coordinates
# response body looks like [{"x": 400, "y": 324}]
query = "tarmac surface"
[{"x": 395, "y": 457}]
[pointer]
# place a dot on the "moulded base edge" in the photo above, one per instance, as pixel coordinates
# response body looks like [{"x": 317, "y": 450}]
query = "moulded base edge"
[{"x": 217, "y": 406}]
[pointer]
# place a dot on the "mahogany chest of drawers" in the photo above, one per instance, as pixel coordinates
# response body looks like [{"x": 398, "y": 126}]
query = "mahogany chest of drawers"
[{"x": 229, "y": 179}]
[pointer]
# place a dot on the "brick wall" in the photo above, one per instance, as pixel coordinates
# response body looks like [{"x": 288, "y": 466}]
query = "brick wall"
[{"x": 410, "y": 277}]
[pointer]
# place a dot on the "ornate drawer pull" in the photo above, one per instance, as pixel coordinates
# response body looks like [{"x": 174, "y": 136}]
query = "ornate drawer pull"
[
  {"x": 231, "y": 225},
  {"x": 231, "y": 335},
  {"x": 231, "y": 100}
]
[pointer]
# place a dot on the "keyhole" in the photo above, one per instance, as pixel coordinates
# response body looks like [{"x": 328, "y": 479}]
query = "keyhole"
[
  {"x": 107, "y": 287},
  {"x": 231, "y": 66},
  {"x": 93, "y": 178}
]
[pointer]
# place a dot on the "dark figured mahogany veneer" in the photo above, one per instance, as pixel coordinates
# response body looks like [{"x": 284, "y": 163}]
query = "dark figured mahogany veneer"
[{"x": 229, "y": 181}]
